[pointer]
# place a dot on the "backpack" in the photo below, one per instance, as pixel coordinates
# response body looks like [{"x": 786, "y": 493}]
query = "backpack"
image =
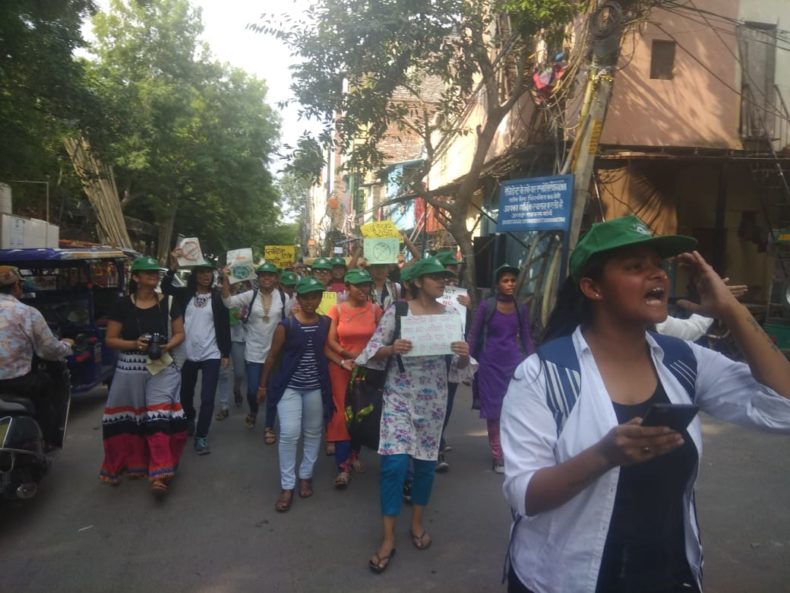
[
  {"x": 252, "y": 302},
  {"x": 489, "y": 307}
]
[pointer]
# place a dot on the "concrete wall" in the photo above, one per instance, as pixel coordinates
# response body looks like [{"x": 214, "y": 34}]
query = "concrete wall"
[{"x": 693, "y": 109}]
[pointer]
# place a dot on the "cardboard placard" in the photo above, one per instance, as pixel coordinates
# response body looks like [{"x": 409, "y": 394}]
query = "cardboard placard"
[
  {"x": 241, "y": 265},
  {"x": 431, "y": 335},
  {"x": 281, "y": 256},
  {"x": 328, "y": 300},
  {"x": 381, "y": 250},
  {"x": 450, "y": 299},
  {"x": 189, "y": 253},
  {"x": 382, "y": 229}
]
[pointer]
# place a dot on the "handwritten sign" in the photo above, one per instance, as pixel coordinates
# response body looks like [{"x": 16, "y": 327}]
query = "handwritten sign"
[
  {"x": 450, "y": 299},
  {"x": 382, "y": 229},
  {"x": 431, "y": 335},
  {"x": 328, "y": 300},
  {"x": 281, "y": 256},
  {"x": 536, "y": 204},
  {"x": 241, "y": 265},
  {"x": 381, "y": 250},
  {"x": 189, "y": 253}
]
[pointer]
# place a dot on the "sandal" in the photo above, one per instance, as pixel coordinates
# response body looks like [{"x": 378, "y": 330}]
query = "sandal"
[
  {"x": 330, "y": 449},
  {"x": 284, "y": 501},
  {"x": 342, "y": 480},
  {"x": 422, "y": 541},
  {"x": 249, "y": 420},
  {"x": 357, "y": 465},
  {"x": 379, "y": 564},
  {"x": 159, "y": 488},
  {"x": 269, "y": 437},
  {"x": 221, "y": 415},
  {"x": 305, "y": 488}
]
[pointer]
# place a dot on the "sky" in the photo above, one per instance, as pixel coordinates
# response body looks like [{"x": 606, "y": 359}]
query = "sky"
[{"x": 230, "y": 41}]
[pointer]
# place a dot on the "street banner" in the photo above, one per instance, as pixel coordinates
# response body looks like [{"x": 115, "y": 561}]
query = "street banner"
[
  {"x": 328, "y": 300},
  {"x": 241, "y": 265},
  {"x": 381, "y": 250},
  {"x": 450, "y": 299},
  {"x": 281, "y": 256},
  {"x": 535, "y": 204},
  {"x": 189, "y": 253},
  {"x": 382, "y": 229},
  {"x": 431, "y": 335}
]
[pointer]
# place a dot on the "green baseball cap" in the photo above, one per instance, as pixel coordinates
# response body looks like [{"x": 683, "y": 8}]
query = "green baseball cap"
[
  {"x": 448, "y": 258},
  {"x": 267, "y": 267},
  {"x": 357, "y": 276},
  {"x": 338, "y": 261},
  {"x": 288, "y": 278},
  {"x": 622, "y": 232},
  {"x": 146, "y": 264},
  {"x": 505, "y": 269},
  {"x": 407, "y": 273},
  {"x": 429, "y": 265},
  {"x": 308, "y": 285},
  {"x": 322, "y": 263}
]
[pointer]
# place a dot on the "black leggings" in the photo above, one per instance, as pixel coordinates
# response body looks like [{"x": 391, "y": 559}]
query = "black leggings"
[{"x": 514, "y": 585}]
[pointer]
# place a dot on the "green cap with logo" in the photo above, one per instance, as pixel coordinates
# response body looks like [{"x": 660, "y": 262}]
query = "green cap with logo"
[
  {"x": 267, "y": 267},
  {"x": 429, "y": 265},
  {"x": 622, "y": 232},
  {"x": 322, "y": 263},
  {"x": 448, "y": 258},
  {"x": 288, "y": 278},
  {"x": 407, "y": 273},
  {"x": 358, "y": 276},
  {"x": 338, "y": 261},
  {"x": 146, "y": 264},
  {"x": 308, "y": 285}
]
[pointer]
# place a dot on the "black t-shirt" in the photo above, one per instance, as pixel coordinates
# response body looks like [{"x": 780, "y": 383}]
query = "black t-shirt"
[
  {"x": 646, "y": 548},
  {"x": 136, "y": 322}
]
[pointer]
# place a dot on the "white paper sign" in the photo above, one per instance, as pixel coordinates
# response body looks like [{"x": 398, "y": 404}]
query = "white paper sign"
[
  {"x": 189, "y": 253},
  {"x": 431, "y": 335},
  {"x": 241, "y": 265},
  {"x": 450, "y": 299}
]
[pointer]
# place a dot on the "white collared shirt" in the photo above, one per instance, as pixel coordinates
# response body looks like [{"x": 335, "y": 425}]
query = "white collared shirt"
[{"x": 560, "y": 551}]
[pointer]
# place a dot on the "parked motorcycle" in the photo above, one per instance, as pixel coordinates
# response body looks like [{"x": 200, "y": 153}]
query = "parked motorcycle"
[{"x": 25, "y": 452}]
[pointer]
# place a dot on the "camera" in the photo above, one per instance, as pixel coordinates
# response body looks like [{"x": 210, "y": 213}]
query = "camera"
[{"x": 154, "y": 348}]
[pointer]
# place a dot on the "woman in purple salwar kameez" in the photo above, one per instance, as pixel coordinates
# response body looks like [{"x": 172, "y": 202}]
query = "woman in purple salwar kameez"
[{"x": 500, "y": 340}]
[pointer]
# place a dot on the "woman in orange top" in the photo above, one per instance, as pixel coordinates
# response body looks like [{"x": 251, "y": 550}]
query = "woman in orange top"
[{"x": 353, "y": 323}]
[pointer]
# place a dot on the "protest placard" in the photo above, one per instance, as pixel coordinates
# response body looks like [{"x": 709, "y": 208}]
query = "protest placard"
[
  {"x": 450, "y": 299},
  {"x": 189, "y": 253},
  {"x": 328, "y": 299},
  {"x": 381, "y": 250},
  {"x": 241, "y": 265},
  {"x": 431, "y": 335},
  {"x": 281, "y": 256},
  {"x": 381, "y": 229}
]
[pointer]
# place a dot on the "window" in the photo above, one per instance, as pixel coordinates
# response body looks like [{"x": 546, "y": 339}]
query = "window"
[{"x": 662, "y": 59}]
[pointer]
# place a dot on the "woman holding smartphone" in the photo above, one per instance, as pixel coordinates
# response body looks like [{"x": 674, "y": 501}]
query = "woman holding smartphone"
[{"x": 609, "y": 500}]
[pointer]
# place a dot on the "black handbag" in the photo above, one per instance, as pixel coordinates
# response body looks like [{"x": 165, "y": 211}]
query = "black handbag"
[{"x": 364, "y": 403}]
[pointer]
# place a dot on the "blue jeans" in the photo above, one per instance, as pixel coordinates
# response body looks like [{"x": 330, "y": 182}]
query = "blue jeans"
[
  {"x": 208, "y": 390},
  {"x": 393, "y": 475},
  {"x": 301, "y": 413},
  {"x": 254, "y": 370},
  {"x": 236, "y": 369}
]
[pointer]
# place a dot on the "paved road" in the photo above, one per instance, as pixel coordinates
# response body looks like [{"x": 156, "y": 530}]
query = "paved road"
[{"x": 218, "y": 531}]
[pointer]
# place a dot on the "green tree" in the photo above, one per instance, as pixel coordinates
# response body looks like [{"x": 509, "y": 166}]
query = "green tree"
[
  {"x": 355, "y": 54},
  {"x": 190, "y": 139}
]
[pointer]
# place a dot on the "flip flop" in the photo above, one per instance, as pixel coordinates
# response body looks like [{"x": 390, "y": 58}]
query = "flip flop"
[
  {"x": 159, "y": 488},
  {"x": 269, "y": 437},
  {"x": 422, "y": 541},
  {"x": 379, "y": 564},
  {"x": 284, "y": 501},
  {"x": 305, "y": 488}
]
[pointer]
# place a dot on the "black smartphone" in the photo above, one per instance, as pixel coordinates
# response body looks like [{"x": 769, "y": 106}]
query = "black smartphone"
[{"x": 675, "y": 416}]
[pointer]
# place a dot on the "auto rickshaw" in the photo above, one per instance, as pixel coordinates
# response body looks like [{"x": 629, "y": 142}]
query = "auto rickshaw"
[{"x": 74, "y": 288}]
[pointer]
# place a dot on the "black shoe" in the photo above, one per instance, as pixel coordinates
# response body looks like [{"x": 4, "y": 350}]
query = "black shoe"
[
  {"x": 407, "y": 492},
  {"x": 442, "y": 467}
]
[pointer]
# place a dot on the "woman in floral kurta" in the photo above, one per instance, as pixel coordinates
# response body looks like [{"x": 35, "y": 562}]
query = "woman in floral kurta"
[{"x": 415, "y": 403}]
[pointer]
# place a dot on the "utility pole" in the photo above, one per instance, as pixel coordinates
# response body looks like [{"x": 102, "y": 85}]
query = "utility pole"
[{"x": 606, "y": 29}]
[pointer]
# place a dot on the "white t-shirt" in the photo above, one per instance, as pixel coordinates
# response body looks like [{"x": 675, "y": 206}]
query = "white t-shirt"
[
  {"x": 259, "y": 331},
  {"x": 201, "y": 337}
]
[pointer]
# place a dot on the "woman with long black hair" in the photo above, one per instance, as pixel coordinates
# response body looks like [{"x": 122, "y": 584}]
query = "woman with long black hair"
[{"x": 605, "y": 504}]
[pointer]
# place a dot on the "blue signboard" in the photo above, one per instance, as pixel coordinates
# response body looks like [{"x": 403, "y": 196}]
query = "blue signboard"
[{"x": 535, "y": 204}]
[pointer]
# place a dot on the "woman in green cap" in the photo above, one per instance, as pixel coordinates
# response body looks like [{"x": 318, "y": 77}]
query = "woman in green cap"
[
  {"x": 415, "y": 403},
  {"x": 353, "y": 323},
  {"x": 339, "y": 268},
  {"x": 604, "y": 502},
  {"x": 143, "y": 425},
  {"x": 300, "y": 389}
]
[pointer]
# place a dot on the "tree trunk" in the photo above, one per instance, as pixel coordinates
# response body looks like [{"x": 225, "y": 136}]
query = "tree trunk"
[{"x": 165, "y": 235}]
